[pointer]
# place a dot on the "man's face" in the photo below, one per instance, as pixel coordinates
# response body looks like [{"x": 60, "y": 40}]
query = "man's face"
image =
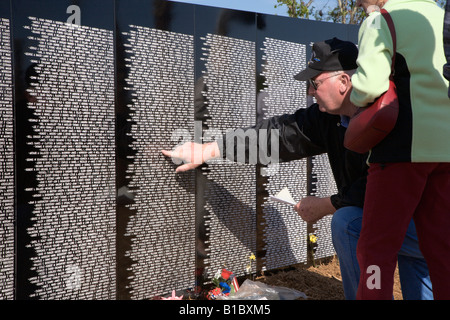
[{"x": 325, "y": 88}]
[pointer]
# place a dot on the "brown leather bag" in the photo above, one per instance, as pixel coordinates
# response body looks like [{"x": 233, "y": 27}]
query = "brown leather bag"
[{"x": 370, "y": 125}]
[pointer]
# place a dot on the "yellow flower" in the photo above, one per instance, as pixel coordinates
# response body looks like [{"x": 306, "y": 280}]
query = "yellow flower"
[
  {"x": 252, "y": 257},
  {"x": 312, "y": 238}
]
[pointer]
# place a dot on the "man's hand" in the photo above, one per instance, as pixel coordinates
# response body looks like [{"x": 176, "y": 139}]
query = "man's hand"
[
  {"x": 311, "y": 209},
  {"x": 192, "y": 154}
]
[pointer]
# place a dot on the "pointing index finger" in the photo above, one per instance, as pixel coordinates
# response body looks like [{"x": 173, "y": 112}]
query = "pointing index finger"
[{"x": 167, "y": 153}]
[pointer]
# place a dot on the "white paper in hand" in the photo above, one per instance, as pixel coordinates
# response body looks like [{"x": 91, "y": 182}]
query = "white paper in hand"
[{"x": 284, "y": 196}]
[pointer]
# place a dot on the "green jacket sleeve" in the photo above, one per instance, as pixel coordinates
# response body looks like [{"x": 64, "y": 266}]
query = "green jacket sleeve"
[{"x": 371, "y": 78}]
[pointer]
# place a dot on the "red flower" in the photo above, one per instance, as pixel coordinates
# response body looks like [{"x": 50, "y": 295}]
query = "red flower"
[{"x": 226, "y": 274}]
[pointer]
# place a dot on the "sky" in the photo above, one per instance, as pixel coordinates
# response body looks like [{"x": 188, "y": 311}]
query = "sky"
[{"x": 260, "y": 6}]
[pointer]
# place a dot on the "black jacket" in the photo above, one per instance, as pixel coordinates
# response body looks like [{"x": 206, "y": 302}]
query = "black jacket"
[{"x": 310, "y": 132}]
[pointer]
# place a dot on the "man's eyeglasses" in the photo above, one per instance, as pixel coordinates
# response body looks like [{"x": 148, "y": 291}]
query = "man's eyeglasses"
[{"x": 315, "y": 83}]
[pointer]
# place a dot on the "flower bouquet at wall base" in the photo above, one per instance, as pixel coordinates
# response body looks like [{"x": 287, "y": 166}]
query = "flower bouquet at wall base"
[{"x": 225, "y": 284}]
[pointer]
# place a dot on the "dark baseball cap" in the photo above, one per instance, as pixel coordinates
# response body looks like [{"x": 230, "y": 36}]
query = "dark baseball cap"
[{"x": 330, "y": 55}]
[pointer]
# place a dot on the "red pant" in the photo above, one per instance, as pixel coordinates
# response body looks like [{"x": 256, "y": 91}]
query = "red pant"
[{"x": 397, "y": 192}]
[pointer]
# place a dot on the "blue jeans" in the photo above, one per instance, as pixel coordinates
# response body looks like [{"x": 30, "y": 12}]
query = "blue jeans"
[{"x": 413, "y": 270}]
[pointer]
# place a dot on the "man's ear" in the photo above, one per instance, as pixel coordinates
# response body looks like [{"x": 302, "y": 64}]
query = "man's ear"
[{"x": 344, "y": 83}]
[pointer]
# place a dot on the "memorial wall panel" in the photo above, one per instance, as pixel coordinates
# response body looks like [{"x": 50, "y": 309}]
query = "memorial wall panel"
[
  {"x": 280, "y": 59},
  {"x": 7, "y": 252},
  {"x": 158, "y": 81},
  {"x": 91, "y": 91},
  {"x": 323, "y": 186},
  {"x": 227, "y": 66},
  {"x": 321, "y": 177},
  {"x": 284, "y": 47},
  {"x": 65, "y": 109}
]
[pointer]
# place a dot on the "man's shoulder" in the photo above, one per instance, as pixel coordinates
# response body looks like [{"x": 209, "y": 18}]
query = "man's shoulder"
[
  {"x": 314, "y": 120},
  {"x": 314, "y": 110}
]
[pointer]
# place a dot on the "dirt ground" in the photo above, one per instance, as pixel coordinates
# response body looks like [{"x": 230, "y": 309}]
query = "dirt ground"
[{"x": 320, "y": 282}]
